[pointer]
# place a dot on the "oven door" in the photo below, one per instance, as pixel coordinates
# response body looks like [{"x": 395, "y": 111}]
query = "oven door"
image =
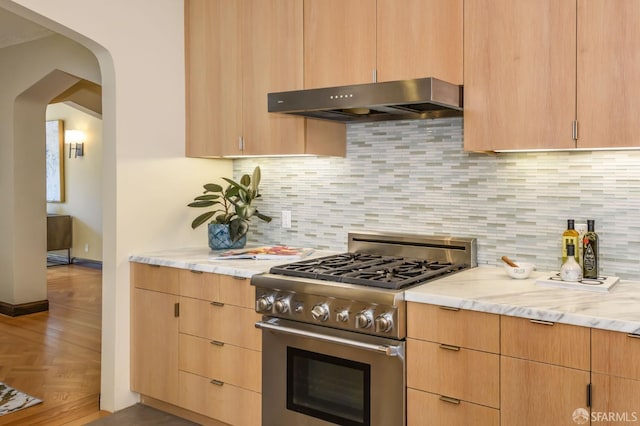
[{"x": 313, "y": 375}]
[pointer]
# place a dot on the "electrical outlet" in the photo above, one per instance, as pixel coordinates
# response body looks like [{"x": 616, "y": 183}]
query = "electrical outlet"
[
  {"x": 86, "y": 248},
  {"x": 286, "y": 218}
]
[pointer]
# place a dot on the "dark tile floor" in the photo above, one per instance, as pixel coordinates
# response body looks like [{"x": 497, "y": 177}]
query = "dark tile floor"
[{"x": 141, "y": 415}]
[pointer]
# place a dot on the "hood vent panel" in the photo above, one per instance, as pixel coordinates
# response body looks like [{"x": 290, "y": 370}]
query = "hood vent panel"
[{"x": 394, "y": 100}]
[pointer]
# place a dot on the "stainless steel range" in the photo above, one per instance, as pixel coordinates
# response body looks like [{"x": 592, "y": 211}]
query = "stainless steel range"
[{"x": 334, "y": 328}]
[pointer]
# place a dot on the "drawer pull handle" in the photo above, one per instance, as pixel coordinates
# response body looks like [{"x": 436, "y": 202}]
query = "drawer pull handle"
[
  {"x": 218, "y": 304},
  {"x": 534, "y": 321},
  {"x": 449, "y": 399},
  {"x": 216, "y": 382},
  {"x": 449, "y": 308},
  {"x": 153, "y": 266},
  {"x": 634, "y": 335},
  {"x": 217, "y": 343},
  {"x": 195, "y": 272},
  {"x": 239, "y": 278},
  {"x": 449, "y": 347}
]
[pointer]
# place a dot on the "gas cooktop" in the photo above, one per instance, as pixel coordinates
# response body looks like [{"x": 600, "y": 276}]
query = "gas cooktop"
[{"x": 392, "y": 272}]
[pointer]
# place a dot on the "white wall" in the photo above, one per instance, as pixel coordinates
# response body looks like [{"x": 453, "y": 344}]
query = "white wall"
[
  {"x": 27, "y": 87},
  {"x": 82, "y": 181},
  {"x": 147, "y": 182}
]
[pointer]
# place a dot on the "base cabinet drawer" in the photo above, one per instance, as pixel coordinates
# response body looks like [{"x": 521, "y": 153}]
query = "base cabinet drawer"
[
  {"x": 227, "y": 403},
  {"x": 227, "y": 323},
  {"x": 224, "y": 362},
  {"x": 460, "y": 327},
  {"x": 548, "y": 342},
  {"x": 425, "y": 408},
  {"x": 454, "y": 372}
]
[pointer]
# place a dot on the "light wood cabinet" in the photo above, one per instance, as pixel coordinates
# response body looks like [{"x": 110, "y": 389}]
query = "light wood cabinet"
[
  {"x": 195, "y": 344},
  {"x": 519, "y": 74},
  {"x": 544, "y": 371},
  {"x": 608, "y": 73},
  {"x": 548, "y": 342},
  {"x": 458, "y": 327},
  {"x": 361, "y": 41},
  {"x": 230, "y": 404},
  {"x": 427, "y": 408},
  {"x": 454, "y": 372},
  {"x": 453, "y": 366},
  {"x": 535, "y": 393},
  {"x": 237, "y": 51},
  {"x": 154, "y": 334},
  {"x": 615, "y": 377},
  {"x": 550, "y": 74}
]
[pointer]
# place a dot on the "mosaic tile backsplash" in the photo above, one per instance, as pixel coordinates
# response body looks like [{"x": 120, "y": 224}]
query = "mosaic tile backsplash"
[{"x": 414, "y": 177}]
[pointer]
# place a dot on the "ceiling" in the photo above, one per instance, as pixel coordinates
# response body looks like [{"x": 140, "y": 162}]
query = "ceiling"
[{"x": 15, "y": 30}]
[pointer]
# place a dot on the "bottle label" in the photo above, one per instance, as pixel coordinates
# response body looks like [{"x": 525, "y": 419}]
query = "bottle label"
[{"x": 589, "y": 256}]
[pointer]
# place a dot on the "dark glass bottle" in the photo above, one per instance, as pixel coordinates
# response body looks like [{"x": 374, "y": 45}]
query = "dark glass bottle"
[{"x": 590, "y": 252}]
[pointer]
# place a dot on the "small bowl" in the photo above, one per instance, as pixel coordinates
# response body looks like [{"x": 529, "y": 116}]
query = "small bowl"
[{"x": 523, "y": 270}]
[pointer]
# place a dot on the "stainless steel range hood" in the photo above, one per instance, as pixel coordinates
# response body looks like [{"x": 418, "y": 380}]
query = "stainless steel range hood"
[{"x": 394, "y": 100}]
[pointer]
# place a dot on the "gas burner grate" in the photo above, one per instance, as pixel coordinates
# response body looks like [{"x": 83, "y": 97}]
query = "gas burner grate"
[{"x": 389, "y": 272}]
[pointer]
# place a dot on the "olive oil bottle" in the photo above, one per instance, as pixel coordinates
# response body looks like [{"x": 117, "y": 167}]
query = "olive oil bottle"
[
  {"x": 590, "y": 252},
  {"x": 570, "y": 236}
]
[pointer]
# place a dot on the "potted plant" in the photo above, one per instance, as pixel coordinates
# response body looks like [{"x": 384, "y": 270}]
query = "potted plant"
[{"x": 232, "y": 210}]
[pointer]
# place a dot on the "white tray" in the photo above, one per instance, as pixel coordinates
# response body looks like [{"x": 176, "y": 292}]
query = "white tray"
[{"x": 602, "y": 284}]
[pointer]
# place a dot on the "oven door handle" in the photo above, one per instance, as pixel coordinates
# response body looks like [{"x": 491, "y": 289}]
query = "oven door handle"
[{"x": 388, "y": 350}]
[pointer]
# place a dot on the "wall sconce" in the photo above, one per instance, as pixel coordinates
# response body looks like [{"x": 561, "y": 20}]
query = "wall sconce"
[{"x": 75, "y": 139}]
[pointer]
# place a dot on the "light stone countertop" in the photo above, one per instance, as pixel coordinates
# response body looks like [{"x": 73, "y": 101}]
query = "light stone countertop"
[
  {"x": 198, "y": 259},
  {"x": 490, "y": 289},
  {"x": 485, "y": 289}
]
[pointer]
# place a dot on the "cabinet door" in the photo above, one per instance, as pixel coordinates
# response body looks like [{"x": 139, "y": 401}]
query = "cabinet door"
[
  {"x": 519, "y": 74},
  {"x": 422, "y": 38},
  {"x": 272, "y": 62},
  {"x": 339, "y": 42},
  {"x": 155, "y": 345},
  {"x": 608, "y": 73},
  {"x": 533, "y": 393},
  {"x": 213, "y": 77},
  {"x": 612, "y": 351},
  {"x": 615, "y": 400}
]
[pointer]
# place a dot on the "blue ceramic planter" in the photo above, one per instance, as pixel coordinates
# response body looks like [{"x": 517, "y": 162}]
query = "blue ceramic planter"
[{"x": 219, "y": 238}]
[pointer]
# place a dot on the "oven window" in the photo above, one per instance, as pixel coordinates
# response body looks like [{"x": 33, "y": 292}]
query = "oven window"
[{"x": 329, "y": 388}]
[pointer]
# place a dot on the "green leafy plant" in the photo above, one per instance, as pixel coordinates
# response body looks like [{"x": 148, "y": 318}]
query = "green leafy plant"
[{"x": 231, "y": 205}]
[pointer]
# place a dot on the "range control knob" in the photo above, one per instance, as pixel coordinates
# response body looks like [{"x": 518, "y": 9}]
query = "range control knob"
[
  {"x": 342, "y": 316},
  {"x": 281, "y": 306},
  {"x": 264, "y": 303},
  {"x": 384, "y": 323},
  {"x": 320, "y": 313},
  {"x": 363, "y": 319}
]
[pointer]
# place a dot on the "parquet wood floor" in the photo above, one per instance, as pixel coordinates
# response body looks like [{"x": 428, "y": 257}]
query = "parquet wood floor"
[{"x": 55, "y": 355}]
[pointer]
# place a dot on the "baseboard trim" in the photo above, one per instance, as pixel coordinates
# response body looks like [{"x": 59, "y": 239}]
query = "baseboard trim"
[
  {"x": 23, "y": 308},
  {"x": 89, "y": 263}
]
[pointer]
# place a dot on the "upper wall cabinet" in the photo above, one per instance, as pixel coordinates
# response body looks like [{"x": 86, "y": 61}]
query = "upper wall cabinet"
[
  {"x": 608, "y": 73},
  {"x": 361, "y": 41},
  {"x": 237, "y": 51},
  {"x": 521, "y": 59}
]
